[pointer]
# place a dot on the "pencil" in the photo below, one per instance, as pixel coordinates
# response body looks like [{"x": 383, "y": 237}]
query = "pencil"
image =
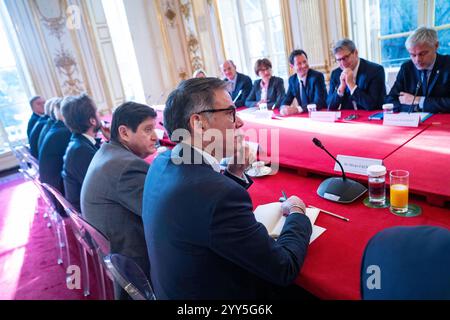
[{"x": 332, "y": 214}]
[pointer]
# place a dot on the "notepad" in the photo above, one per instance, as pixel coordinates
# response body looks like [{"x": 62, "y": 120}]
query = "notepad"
[{"x": 271, "y": 217}]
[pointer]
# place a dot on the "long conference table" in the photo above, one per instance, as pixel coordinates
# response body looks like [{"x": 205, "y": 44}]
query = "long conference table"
[{"x": 332, "y": 268}]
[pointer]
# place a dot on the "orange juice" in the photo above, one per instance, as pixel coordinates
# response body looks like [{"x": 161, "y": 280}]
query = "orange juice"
[{"x": 399, "y": 196}]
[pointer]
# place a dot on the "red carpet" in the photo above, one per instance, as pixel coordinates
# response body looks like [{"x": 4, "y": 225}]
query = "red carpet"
[{"x": 28, "y": 268}]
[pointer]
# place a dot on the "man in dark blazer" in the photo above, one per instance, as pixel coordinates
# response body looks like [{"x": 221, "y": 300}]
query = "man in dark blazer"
[
  {"x": 81, "y": 117},
  {"x": 306, "y": 85},
  {"x": 357, "y": 83},
  {"x": 37, "y": 107},
  {"x": 111, "y": 194},
  {"x": 52, "y": 152},
  {"x": 423, "y": 83},
  {"x": 48, "y": 111},
  {"x": 269, "y": 89},
  {"x": 240, "y": 85},
  {"x": 202, "y": 236}
]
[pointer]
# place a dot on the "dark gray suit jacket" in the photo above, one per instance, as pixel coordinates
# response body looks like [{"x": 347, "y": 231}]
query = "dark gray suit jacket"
[{"x": 111, "y": 199}]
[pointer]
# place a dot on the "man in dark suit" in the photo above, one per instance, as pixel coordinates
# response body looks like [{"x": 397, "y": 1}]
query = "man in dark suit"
[
  {"x": 269, "y": 89},
  {"x": 423, "y": 83},
  {"x": 48, "y": 110},
  {"x": 81, "y": 117},
  {"x": 306, "y": 85},
  {"x": 37, "y": 106},
  {"x": 52, "y": 152},
  {"x": 240, "y": 85},
  {"x": 357, "y": 83},
  {"x": 202, "y": 236},
  {"x": 111, "y": 194}
]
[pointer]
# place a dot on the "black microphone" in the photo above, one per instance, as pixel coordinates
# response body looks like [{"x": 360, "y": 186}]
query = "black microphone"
[
  {"x": 339, "y": 189},
  {"x": 320, "y": 145},
  {"x": 419, "y": 84}
]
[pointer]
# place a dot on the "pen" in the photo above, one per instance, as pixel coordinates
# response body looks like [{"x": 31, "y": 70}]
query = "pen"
[
  {"x": 284, "y": 195},
  {"x": 332, "y": 214}
]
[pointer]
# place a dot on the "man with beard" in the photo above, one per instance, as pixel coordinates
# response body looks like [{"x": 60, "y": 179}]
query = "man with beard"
[{"x": 80, "y": 114}]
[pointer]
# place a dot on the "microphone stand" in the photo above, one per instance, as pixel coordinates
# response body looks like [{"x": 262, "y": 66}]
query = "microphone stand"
[{"x": 419, "y": 84}]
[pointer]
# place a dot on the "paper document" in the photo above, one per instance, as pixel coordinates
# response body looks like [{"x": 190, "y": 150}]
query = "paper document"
[{"x": 271, "y": 217}]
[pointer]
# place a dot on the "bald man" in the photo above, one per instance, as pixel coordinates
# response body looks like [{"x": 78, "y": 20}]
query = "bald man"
[{"x": 239, "y": 86}]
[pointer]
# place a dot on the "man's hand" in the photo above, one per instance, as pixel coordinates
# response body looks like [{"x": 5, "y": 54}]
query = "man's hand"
[
  {"x": 242, "y": 159},
  {"x": 293, "y": 204},
  {"x": 407, "y": 98},
  {"x": 289, "y": 110},
  {"x": 342, "y": 84},
  {"x": 349, "y": 78}
]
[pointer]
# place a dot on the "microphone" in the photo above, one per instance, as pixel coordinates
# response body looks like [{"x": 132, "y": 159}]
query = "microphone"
[
  {"x": 339, "y": 189},
  {"x": 419, "y": 84},
  {"x": 320, "y": 145}
]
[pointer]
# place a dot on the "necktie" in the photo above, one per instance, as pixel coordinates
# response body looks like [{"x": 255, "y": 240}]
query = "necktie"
[
  {"x": 303, "y": 96},
  {"x": 424, "y": 82}
]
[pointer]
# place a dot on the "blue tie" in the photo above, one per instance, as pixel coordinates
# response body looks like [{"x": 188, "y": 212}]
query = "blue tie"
[
  {"x": 303, "y": 96},
  {"x": 424, "y": 82}
]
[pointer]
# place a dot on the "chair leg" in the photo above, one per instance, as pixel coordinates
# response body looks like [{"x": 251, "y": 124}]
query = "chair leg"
[
  {"x": 65, "y": 242},
  {"x": 100, "y": 275},
  {"x": 59, "y": 239},
  {"x": 84, "y": 270}
]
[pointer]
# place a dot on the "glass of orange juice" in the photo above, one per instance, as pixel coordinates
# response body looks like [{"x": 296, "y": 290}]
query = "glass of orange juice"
[{"x": 399, "y": 181}]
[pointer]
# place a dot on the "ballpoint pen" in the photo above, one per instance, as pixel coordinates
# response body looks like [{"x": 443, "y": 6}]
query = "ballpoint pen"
[{"x": 284, "y": 195}]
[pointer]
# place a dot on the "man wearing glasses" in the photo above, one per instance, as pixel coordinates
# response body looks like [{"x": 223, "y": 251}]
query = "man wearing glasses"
[
  {"x": 423, "y": 83},
  {"x": 357, "y": 83},
  {"x": 202, "y": 237}
]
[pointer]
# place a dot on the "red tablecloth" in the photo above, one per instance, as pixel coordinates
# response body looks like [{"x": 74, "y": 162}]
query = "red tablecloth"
[
  {"x": 361, "y": 138},
  {"x": 332, "y": 266},
  {"x": 427, "y": 158}
]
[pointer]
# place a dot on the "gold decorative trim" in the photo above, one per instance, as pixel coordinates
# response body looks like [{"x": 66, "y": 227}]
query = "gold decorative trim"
[
  {"x": 344, "y": 18},
  {"x": 168, "y": 53},
  {"x": 56, "y": 83},
  {"x": 80, "y": 59},
  {"x": 170, "y": 14}
]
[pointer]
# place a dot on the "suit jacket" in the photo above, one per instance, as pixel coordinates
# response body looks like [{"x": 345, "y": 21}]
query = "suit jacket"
[
  {"x": 316, "y": 91},
  {"x": 203, "y": 239},
  {"x": 111, "y": 199},
  {"x": 275, "y": 93},
  {"x": 243, "y": 83},
  {"x": 370, "y": 93},
  {"x": 33, "y": 119},
  {"x": 45, "y": 129},
  {"x": 438, "y": 94},
  {"x": 78, "y": 156},
  {"x": 34, "y": 136},
  {"x": 52, "y": 153}
]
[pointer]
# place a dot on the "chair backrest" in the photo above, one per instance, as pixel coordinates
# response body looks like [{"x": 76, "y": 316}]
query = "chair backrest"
[
  {"x": 407, "y": 263},
  {"x": 129, "y": 276}
]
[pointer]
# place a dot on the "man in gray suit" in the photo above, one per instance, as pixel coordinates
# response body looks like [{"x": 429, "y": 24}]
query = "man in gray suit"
[{"x": 111, "y": 194}]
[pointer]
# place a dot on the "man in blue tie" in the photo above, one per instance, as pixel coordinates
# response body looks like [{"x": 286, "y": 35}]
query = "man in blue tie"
[
  {"x": 423, "y": 83},
  {"x": 306, "y": 85}
]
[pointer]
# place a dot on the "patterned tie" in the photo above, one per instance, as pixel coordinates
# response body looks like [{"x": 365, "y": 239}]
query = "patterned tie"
[
  {"x": 424, "y": 82},
  {"x": 303, "y": 96}
]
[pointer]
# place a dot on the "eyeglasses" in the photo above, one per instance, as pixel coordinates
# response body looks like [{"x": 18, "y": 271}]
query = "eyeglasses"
[
  {"x": 231, "y": 109},
  {"x": 344, "y": 58}
]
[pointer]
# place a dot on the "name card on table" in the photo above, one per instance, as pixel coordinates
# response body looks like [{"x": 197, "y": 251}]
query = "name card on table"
[
  {"x": 263, "y": 114},
  {"x": 357, "y": 165},
  {"x": 401, "y": 119},
  {"x": 325, "y": 116}
]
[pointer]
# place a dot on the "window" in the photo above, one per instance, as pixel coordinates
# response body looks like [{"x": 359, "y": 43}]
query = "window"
[
  {"x": 14, "y": 94},
  {"x": 391, "y": 22},
  {"x": 253, "y": 29},
  {"x": 124, "y": 50}
]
